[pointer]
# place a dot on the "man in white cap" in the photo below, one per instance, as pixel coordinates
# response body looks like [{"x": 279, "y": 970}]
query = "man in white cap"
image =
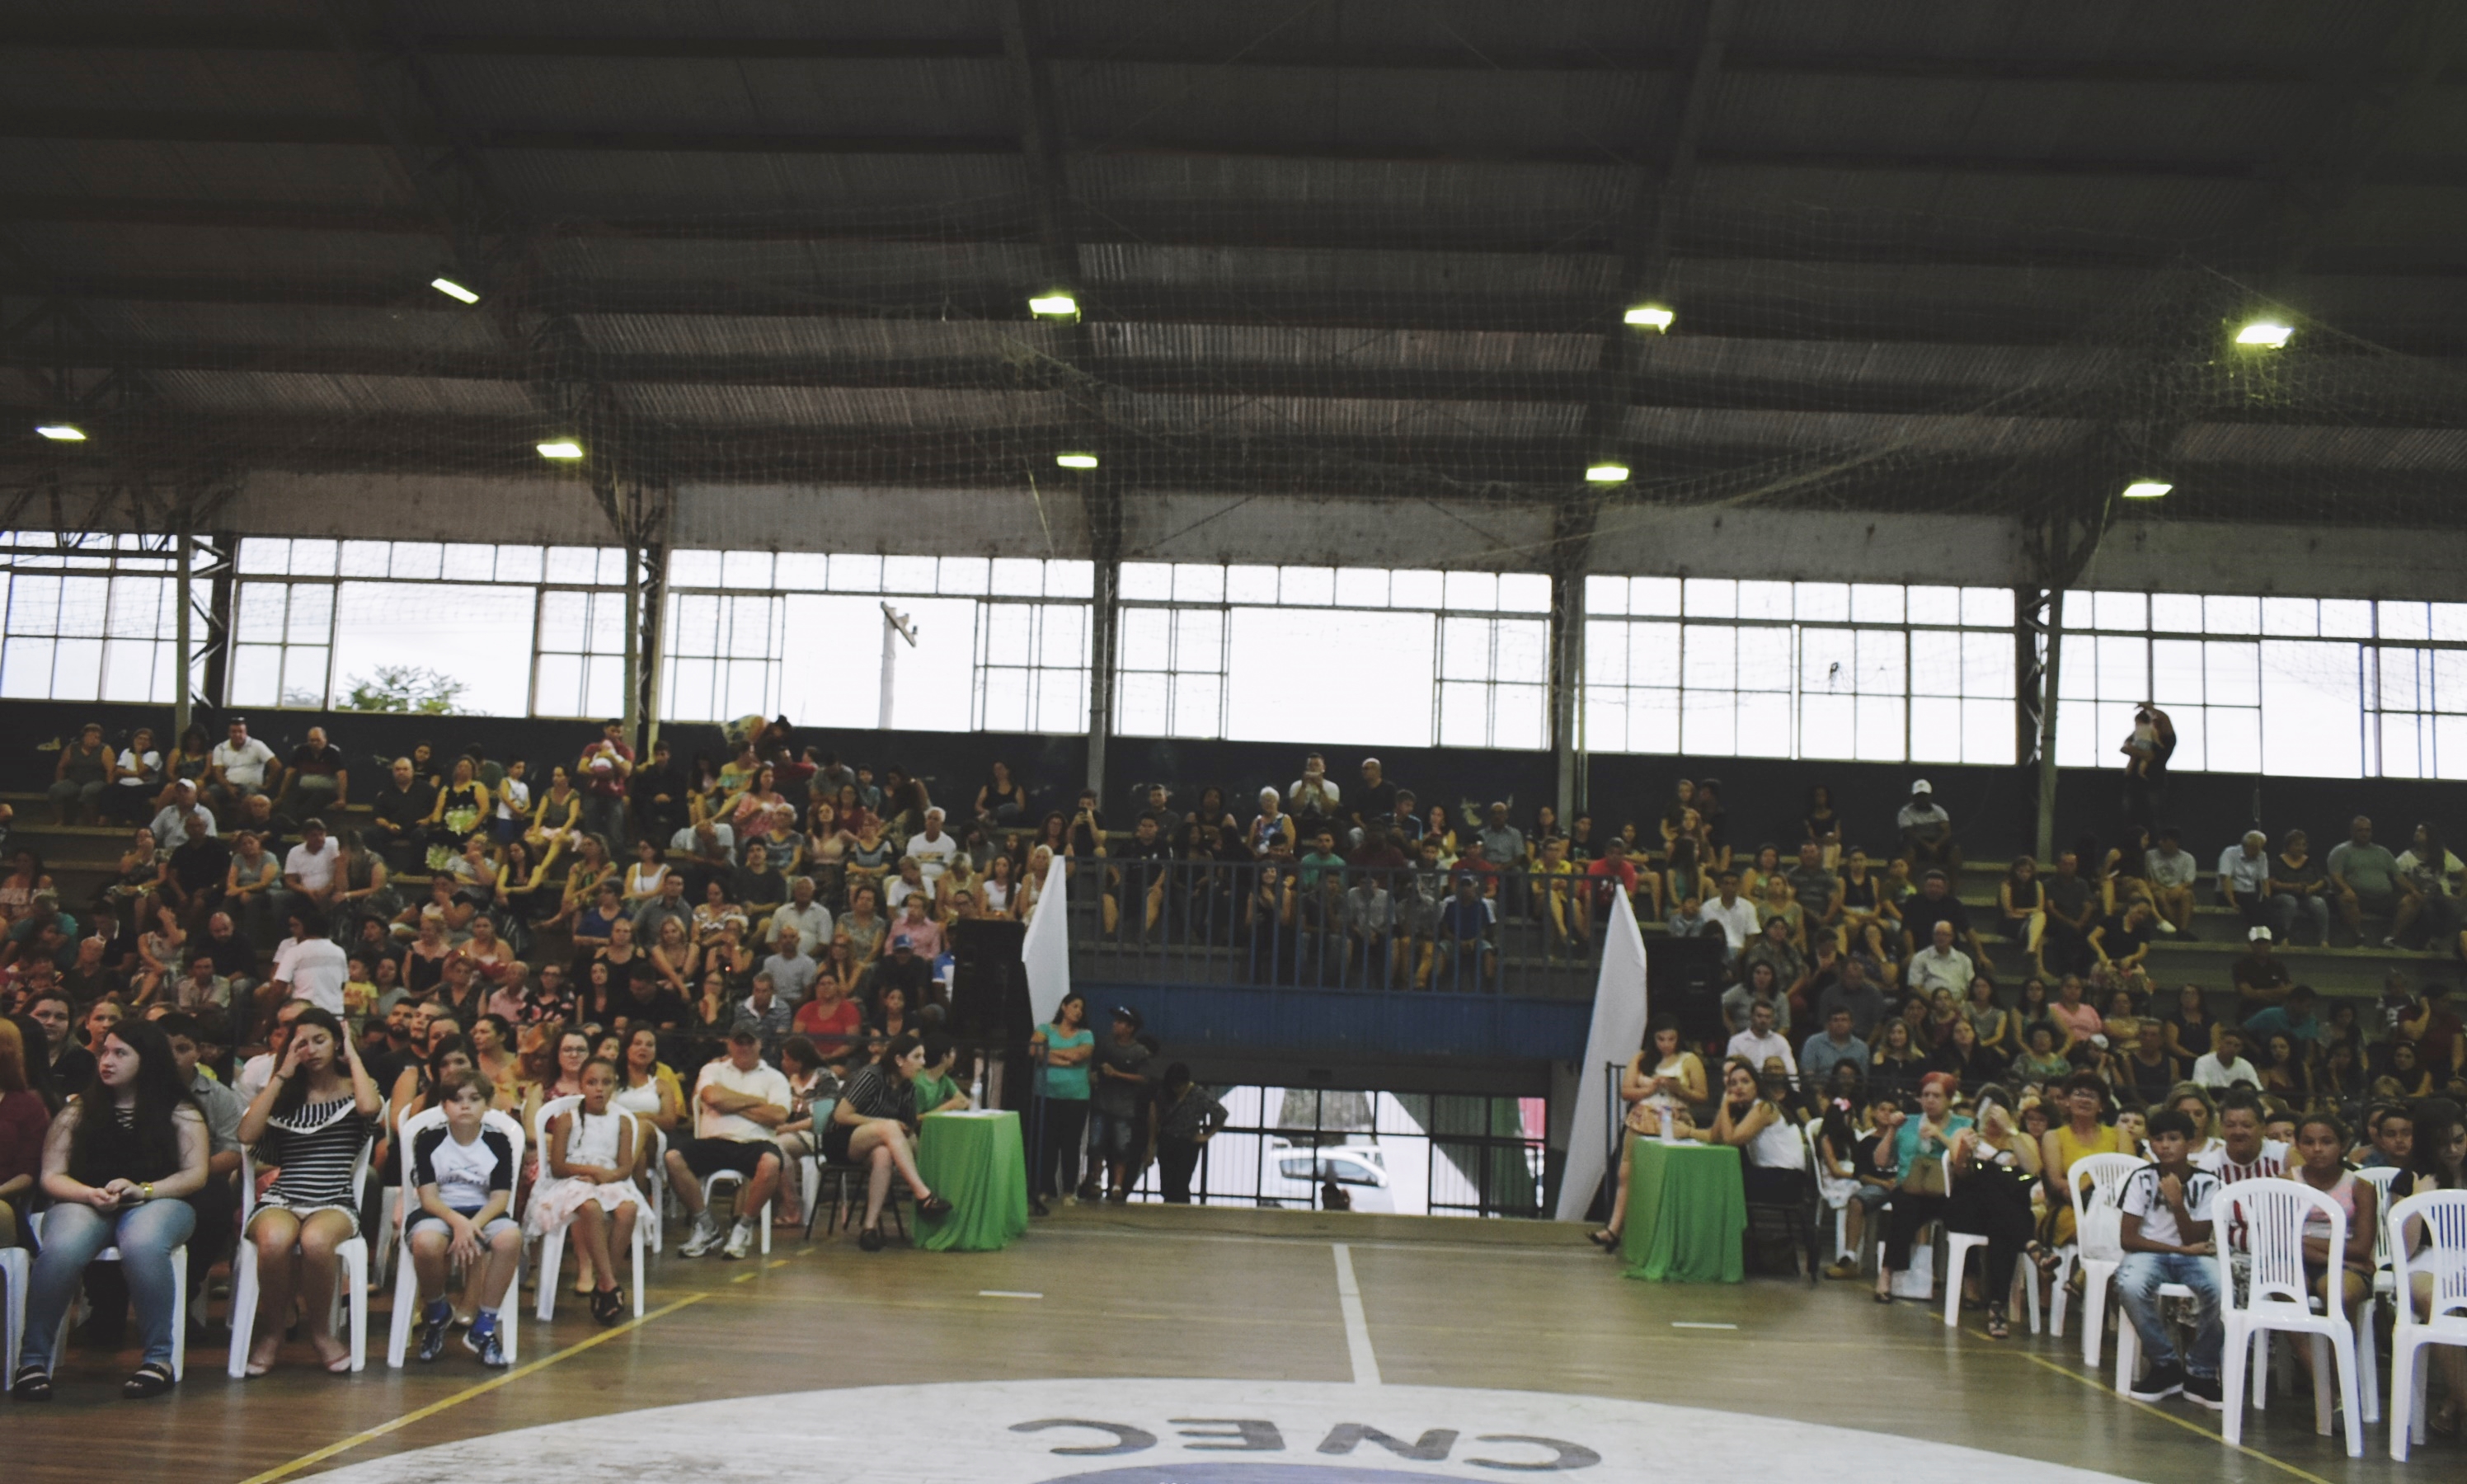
[{"x": 1927, "y": 832}]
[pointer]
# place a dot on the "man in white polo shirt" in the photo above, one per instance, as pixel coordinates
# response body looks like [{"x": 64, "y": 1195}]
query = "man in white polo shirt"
[
  {"x": 241, "y": 766},
  {"x": 739, "y": 1101},
  {"x": 308, "y": 869}
]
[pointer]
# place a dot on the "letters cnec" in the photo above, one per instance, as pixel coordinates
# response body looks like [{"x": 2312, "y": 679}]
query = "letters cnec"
[{"x": 1527, "y": 1453}]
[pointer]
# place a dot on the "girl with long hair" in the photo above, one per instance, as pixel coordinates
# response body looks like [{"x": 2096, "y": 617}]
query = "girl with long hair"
[
  {"x": 119, "y": 1165},
  {"x": 314, "y": 1118}
]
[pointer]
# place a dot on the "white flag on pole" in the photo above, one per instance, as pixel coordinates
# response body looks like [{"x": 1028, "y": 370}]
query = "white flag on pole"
[
  {"x": 1618, "y": 1030},
  {"x": 1045, "y": 951}
]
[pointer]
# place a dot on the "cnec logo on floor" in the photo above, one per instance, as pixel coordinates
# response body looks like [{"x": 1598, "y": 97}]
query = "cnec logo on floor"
[{"x": 1135, "y": 1431}]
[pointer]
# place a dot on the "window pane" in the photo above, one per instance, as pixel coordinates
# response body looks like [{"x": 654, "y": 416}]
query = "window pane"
[
  {"x": 1198, "y": 582},
  {"x": 561, "y": 625},
  {"x": 1708, "y": 721},
  {"x": 1386, "y": 705},
  {"x": 518, "y": 563},
  {"x": 256, "y": 673},
  {"x": 909, "y": 574},
  {"x": 1828, "y": 664},
  {"x": 2309, "y": 692},
  {"x": 1987, "y": 607},
  {"x": 313, "y": 614},
  {"x": 263, "y": 555},
  {"x": 693, "y": 570},
  {"x": 1764, "y": 601},
  {"x": 85, "y": 603},
  {"x": 1070, "y": 579},
  {"x": 1417, "y": 588},
  {"x": 2406, "y": 620},
  {"x": 463, "y": 562},
  {"x": 1517, "y": 716},
  {"x": 1477, "y": 590},
  {"x": 2231, "y": 615},
  {"x": 1005, "y": 632},
  {"x": 1872, "y": 602},
  {"x": 1147, "y": 581},
  {"x": 1524, "y": 592},
  {"x": 1828, "y": 725},
  {"x": 1824, "y": 602},
  {"x": 1145, "y": 634},
  {"x": 1061, "y": 701},
  {"x": 964, "y": 576},
  {"x": 1713, "y": 665},
  {"x": 1523, "y": 652},
  {"x": 257, "y": 615},
  {"x": 1935, "y": 605},
  {"x": 1765, "y": 660},
  {"x": 26, "y": 670},
  {"x": 1250, "y": 584},
  {"x": 1606, "y": 596},
  {"x": 1882, "y": 724},
  {"x": 2295, "y": 618},
  {"x": 1653, "y": 654},
  {"x": 1197, "y": 705},
  {"x": 579, "y": 565},
  {"x": 1361, "y": 587},
  {"x": 2231, "y": 674},
  {"x": 856, "y": 573},
  {"x": 1311, "y": 585},
  {"x": 2175, "y": 613},
  {"x": 2175, "y": 673},
  {"x": 1063, "y": 635},
  {"x": 1712, "y": 598},
  {"x": 1464, "y": 719},
  {"x": 1987, "y": 665},
  {"x": 1465, "y": 654},
  {"x": 810, "y": 571},
  {"x": 418, "y": 559},
  {"x": 1935, "y": 731},
  {"x": 2347, "y": 618},
  {"x": 1655, "y": 596},
  {"x": 559, "y": 688},
  {"x": 304, "y": 676},
  {"x": 1882, "y": 667},
  {"x": 1199, "y": 638},
  {"x": 1139, "y": 705},
  {"x": 1936, "y": 664},
  {"x": 1988, "y": 732}
]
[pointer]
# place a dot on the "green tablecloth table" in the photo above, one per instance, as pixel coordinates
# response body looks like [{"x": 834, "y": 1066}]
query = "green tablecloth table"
[
  {"x": 974, "y": 1161},
  {"x": 1686, "y": 1213}
]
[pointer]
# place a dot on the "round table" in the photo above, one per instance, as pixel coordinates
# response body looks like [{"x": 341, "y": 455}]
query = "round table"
[
  {"x": 1686, "y": 1213},
  {"x": 974, "y": 1161}
]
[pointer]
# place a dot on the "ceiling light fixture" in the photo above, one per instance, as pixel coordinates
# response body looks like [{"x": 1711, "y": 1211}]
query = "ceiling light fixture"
[
  {"x": 453, "y": 290},
  {"x": 2269, "y": 334},
  {"x": 60, "y": 432},
  {"x": 1652, "y": 317},
  {"x": 2146, "y": 489},
  {"x": 1606, "y": 473},
  {"x": 1057, "y": 305},
  {"x": 560, "y": 448},
  {"x": 1076, "y": 461}
]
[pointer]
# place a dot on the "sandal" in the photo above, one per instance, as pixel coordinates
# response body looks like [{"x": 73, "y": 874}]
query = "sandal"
[
  {"x": 151, "y": 1379},
  {"x": 604, "y": 1305},
  {"x": 933, "y": 1206},
  {"x": 2044, "y": 1256},
  {"x": 1605, "y": 1239},
  {"x": 869, "y": 1239},
  {"x": 1997, "y": 1327},
  {"x": 32, "y": 1384},
  {"x": 1882, "y": 1297}
]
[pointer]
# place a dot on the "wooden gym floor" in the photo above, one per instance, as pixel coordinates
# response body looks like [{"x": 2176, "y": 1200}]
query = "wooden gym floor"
[{"x": 1231, "y": 1293}]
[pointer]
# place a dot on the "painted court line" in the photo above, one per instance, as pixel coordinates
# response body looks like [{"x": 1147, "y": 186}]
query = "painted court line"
[
  {"x": 1699, "y": 1324},
  {"x": 2185, "y": 1422},
  {"x": 421, "y": 1414},
  {"x": 1357, "y": 1329},
  {"x": 1003, "y": 1293}
]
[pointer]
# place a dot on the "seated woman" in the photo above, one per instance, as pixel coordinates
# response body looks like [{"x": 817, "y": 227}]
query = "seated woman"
[
  {"x": 1918, "y": 1171},
  {"x": 1961, "y": 1055},
  {"x": 1994, "y": 1165},
  {"x": 1662, "y": 1080},
  {"x": 874, "y": 1123},
  {"x": 587, "y": 1181},
  {"x": 1995, "y": 1025},
  {"x": 812, "y": 1090},
  {"x": 463, "y": 1172},
  {"x": 2021, "y": 907},
  {"x": 1896, "y": 1064},
  {"x": 315, "y": 1114},
  {"x": 1770, "y": 1144},
  {"x": 460, "y": 806},
  {"x": 119, "y": 1164},
  {"x": 2080, "y": 1134}
]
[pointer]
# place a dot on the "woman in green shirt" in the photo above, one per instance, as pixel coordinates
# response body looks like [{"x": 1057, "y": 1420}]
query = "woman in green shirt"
[
  {"x": 936, "y": 1091},
  {"x": 1063, "y": 1047}
]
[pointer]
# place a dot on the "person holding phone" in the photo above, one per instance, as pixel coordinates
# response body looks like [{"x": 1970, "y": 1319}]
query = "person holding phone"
[{"x": 1993, "y": 1166}]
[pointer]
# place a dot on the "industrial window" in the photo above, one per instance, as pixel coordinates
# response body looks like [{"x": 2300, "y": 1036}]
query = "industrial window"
[
  {"x": 1341, "y": 654},
  {"x": 88, "y": 618},
  {"x": 1869, "y": 671}
]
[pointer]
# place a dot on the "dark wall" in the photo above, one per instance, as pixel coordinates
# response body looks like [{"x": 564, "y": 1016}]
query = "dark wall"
[{"x": 1993, "y": 808}]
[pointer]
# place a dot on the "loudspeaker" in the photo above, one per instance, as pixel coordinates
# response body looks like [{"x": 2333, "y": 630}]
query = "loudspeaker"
[
  {"x": 989, "y": 985},
  {"x": 1683, "y": 981}
]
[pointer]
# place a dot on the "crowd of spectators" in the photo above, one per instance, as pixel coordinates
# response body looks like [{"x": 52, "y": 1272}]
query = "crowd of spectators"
[{"x": 751, "y": 954}]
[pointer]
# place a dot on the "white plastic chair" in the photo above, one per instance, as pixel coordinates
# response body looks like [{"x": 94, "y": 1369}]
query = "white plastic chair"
[
  {"x": 2274, "y": 1214},
  {"x": 17, "y": 1269},
  {"x": 406, "y": 1282},
  {"x": 2383, "y": 1289},
  {"x": 2128, "y": 1339},
  {"x": 711, "y": 1186},
  {"x": 2444, "y": 1256},
  {"x": 656, "y": 1169},
  {"x": 1959, "y": 1245},
  {"x": 351, "y": 1278},
  {"x": 553, "y": 1241},
  {"x": 2096, "y": 1185}
]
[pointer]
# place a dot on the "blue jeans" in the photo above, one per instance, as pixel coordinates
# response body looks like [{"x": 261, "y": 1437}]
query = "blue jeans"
[
  {"x": 2136, "y": 1289},
  {"x": 72, "y": 1234}
]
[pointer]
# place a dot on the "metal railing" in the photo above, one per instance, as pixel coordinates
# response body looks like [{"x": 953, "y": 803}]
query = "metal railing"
[{"x": 1208, "y": 922}]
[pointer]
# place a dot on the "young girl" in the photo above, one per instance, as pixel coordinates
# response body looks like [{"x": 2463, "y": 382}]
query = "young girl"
[
  {"x": 2342, "y": 1277},
  {"x": 312, "y": 1119},
  {"x": 588, "y": 1182},
  {"x": 464, "y": 1173}
]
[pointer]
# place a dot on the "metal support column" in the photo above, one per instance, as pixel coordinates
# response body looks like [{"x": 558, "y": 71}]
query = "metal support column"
[
  {"x": 1104, "y": 631},
  {"x": 633, "y": 713},
  {"x": 183, "y": 540},
  {"x": 1567, "y": 687}
]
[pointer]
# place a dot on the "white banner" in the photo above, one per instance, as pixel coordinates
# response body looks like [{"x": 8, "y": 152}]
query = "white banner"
[
  {"x": 1619, "y": 1029},
  {"x": 1045, "y": 953}
]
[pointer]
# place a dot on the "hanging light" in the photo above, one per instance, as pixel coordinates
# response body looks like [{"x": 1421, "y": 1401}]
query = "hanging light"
[
  {"x": 2146, "y": 489},
  {"x": 560, "y": 448},
  {"x": 1652, "y": 317},
  {"x": 1057, "y": 305},
  {"x": 1076, "y": 461},
  {"x": 453, "y": 290},
  {"x": 1606, "y": 473},
  {"x": 2268, "y": 334},
  {"x": 61, "y": 432}
]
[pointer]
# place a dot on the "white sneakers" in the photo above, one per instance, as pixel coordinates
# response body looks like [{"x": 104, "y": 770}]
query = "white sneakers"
[
  {"x": 740, "y": 1241},
  {"x": 704, "y": 1237}
]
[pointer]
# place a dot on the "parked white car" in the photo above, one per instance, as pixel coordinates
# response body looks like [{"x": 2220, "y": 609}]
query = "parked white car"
[{"x": 1294, "y": 1173}]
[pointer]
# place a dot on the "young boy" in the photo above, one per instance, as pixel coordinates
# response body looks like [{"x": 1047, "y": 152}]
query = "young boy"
[
  {"x": 1875, "y": 1165},
  {"x": 464, "y": 1173},
  {"x": 359, "y": 994},
  {"x": 2167, "y": 1239}
]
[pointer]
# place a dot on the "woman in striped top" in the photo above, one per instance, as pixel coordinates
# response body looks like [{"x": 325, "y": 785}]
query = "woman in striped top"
[
  {"x": 874, "y": 1124},
  {"x": 313, "y": 1119}
]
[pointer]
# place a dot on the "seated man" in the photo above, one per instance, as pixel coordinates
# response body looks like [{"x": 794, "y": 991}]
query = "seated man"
[
  {"x": 1927, "y": 832},
  {"x": 1761, "y": 1042},
  {"x": 2171, "y": 870},
  {"x": 399, "y": 815},
  {"x": 1463, "y": 937},
  {"x": 2364, "y": 878},
  {"x": 317, "y": 777},
  {"x": 737, "y": 1101},
  {"x": 241, "y": 766},
  {"x": 2167, "y": 1239}
]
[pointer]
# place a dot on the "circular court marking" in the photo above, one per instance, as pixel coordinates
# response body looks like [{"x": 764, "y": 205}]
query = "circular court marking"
[{"x": 1105, "y": 1431}]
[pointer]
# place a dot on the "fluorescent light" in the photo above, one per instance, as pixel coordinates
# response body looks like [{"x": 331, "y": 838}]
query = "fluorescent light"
[
  {"x": 1653, "y": 317},
  {"x": 2269, "y": 334},
  {"x": 1057, "y": 306},
  {"x": 60, "y": 432},
  {"x": 560, "y": 448},
  {"x": 453, "y": 290},
  {"x": 2146, "y": 489},
  {"x": 1607, "y": 474},
  {"x": 1076, "y": 461}
]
